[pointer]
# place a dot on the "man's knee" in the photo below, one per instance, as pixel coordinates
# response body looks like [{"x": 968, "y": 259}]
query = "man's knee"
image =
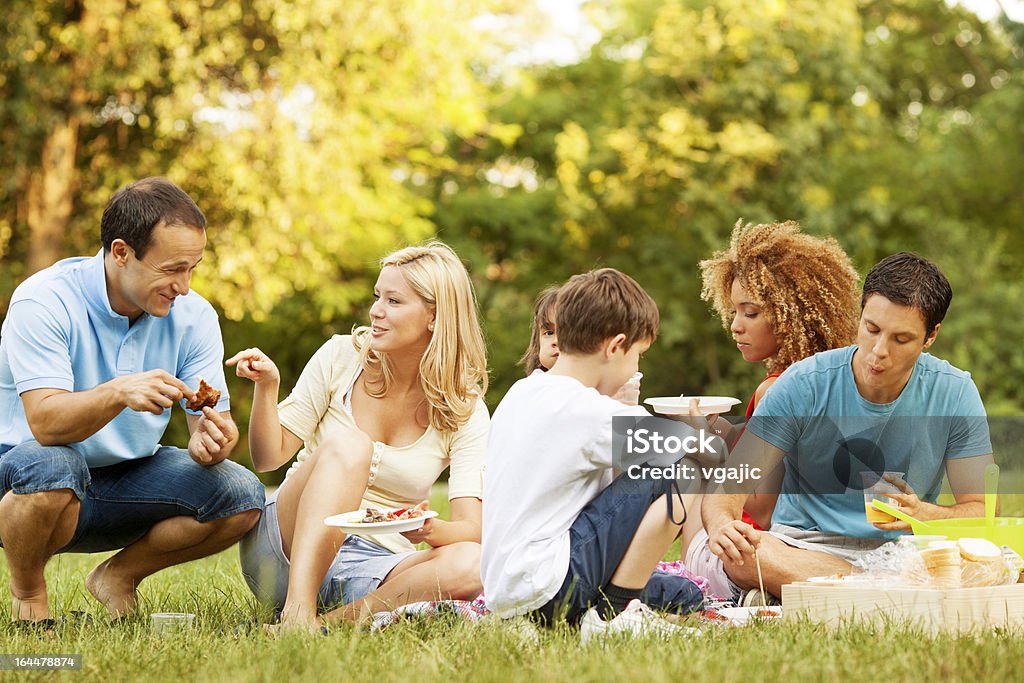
[
  {"x": 48, "y": 517},
  {"x": 233, "y": 490},
  {"x": 743, "y": 575},
  {"x": 238, "y": 525},
  {"x": 55, "y": 501},
  {"x": 32, "y": 468},
  {"x": 44, "y": 505}
]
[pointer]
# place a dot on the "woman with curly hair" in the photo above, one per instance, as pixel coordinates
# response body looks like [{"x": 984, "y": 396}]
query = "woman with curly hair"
[
  {"x": 784, "y": 296},
  {"x": 379, "y": 414}
]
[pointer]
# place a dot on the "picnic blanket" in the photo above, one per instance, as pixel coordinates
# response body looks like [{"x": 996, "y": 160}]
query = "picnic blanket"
[
  {"x": 475, "y": 610},
  {"x": 471, "y": 611}
]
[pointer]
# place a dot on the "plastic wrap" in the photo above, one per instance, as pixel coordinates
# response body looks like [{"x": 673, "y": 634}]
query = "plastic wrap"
[{"x": 935, "y": 563}]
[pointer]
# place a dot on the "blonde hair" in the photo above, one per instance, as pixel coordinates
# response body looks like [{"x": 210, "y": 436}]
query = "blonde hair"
[
  {"x": 453, "y": 370},
  {"x": 543, "y": 319},
  {"x": 806, "y": 285}
]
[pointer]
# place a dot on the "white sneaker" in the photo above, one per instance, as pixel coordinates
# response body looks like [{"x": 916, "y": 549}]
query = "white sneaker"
[
  {"x": 523, "y": 630},
  {"x": 636, "y": 620},
  {"x": 755, "y": 598}
]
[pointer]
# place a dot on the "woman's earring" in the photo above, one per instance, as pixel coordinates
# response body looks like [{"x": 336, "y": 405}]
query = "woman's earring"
[{"x": 430, "y": 326}]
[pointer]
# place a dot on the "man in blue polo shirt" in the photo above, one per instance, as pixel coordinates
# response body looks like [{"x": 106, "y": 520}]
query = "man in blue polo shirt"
[
  {"x": 94, "y": 351},
  {"x": 841, "y": 418}
]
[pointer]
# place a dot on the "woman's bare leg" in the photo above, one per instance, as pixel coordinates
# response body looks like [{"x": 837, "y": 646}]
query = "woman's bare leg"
[
  {"x": 332, "y": 481},
  {"x": 451, "y": 572}
]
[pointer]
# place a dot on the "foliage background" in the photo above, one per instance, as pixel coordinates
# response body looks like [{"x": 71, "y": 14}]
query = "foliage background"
[{"x": 317, "y": 136}]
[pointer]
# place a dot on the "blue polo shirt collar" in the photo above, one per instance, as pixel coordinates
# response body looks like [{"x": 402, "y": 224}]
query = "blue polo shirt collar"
[{"x": 94, "y": 282}]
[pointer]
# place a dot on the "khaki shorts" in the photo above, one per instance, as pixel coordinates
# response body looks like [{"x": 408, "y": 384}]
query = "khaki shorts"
[{"x": 844, "y": 547}]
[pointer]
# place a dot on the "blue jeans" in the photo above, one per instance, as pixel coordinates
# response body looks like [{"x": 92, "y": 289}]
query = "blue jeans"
[
  {"x": 598, "y": 541},
  {"x": 120, "y": 503}
]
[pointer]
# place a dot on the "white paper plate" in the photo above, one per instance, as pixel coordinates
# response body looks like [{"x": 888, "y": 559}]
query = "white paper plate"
[
  {"x": 674, "y": 405},
  {"x": 349, "y": 522},
  {"x": 740, "y": 616}
]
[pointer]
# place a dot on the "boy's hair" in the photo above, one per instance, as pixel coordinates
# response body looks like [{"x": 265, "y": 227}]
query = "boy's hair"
[
  {"x": 806, "y": 286},
  {"x": 909, "y": 280},
  {"x": 600, "y": 304},
  {"x": 135, "y": 210},
  {"x": 543, "y": 319}
]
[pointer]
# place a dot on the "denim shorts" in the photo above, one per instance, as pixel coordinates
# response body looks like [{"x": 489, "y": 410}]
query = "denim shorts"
[
  {"x": 598, "y": 541},
  {"x": 358, "y": 569},
  {"x": 120, "y": 503}
]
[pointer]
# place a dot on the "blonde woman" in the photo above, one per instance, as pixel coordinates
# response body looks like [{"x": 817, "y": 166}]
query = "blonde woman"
[{"x": 380, "y": 414}]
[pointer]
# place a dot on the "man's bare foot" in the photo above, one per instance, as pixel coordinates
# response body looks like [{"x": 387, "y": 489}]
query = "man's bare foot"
[
  {"x": 34, "y": 607},
  {"x": 115, "y": 593}
]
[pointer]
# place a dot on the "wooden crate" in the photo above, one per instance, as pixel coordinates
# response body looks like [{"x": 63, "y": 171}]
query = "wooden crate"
[{"x": 952, "y": 610}]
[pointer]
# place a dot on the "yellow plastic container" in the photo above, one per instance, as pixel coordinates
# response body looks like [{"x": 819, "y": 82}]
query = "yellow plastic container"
[{"x": 1002, "y": 530}]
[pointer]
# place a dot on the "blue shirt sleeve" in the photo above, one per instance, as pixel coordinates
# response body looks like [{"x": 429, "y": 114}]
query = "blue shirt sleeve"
[
  {"x": 969, "y": 435},
  {"x": 39, "y": 346},
  {"x": 205, "y": 358}
]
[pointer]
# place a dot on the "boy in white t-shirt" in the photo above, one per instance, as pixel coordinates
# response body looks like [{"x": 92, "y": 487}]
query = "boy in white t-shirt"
[{"x": 554, "y": 537}]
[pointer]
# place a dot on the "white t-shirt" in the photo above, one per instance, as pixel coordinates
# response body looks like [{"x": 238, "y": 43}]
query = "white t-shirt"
[
  {"x": 548, "y": 455},
  {"x": 399, "y": 476}
]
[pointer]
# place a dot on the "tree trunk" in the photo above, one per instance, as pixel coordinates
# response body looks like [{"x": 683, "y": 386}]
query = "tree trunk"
[
  {"x": 51, "y": 187},
  {"x": 50, "y": 195}
]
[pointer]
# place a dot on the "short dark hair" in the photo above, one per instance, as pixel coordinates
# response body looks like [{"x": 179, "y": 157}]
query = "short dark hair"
[
  {"x": 909, "y": 280},
  {"x": 600, "y": 304},
  {"x": 134, "y": 210}
]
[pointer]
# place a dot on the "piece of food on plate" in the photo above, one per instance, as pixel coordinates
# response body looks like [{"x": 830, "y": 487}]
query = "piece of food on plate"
[
  {"x": 373, "y": 515},
  {"x": 206, "y": 397},
  {"x": 713, "y": 615}
]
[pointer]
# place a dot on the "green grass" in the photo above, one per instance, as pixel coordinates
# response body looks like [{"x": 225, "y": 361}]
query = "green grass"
[
  {"x": 442, "y": 649},
  {"x": 445, "y": 650}
]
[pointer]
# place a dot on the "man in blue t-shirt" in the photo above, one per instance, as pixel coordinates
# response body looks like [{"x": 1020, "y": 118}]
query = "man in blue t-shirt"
[
  {"x": 840, "y": 419},
  {"x": 94, "y": 351}
]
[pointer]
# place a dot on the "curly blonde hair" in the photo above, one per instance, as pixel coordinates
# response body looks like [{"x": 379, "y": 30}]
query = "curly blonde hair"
[
  {"x": 806, "y": 285},
  {"x": 453, "y": 370}
]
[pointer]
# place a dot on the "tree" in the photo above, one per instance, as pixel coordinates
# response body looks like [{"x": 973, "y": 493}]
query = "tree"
[
  {"x": 690, "y": 115},
  {"x": 295, "y": 125},
  {"x": 304, "y": 130}
]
